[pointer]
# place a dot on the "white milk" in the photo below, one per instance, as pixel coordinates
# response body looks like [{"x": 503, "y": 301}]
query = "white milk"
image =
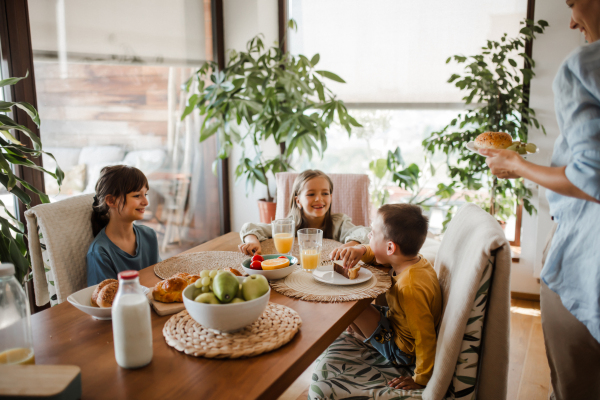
[{"x": 132, "y": 331}]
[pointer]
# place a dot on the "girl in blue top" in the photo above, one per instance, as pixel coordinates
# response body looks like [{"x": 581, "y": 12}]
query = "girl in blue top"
[{"x": 119, "y": 245}]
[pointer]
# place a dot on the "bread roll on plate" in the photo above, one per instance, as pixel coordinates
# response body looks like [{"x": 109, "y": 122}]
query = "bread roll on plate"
[
  {"x": 107, "y": 294},
  {"x": 100, "y": 286},
  {"x": 493, "y": 140}
]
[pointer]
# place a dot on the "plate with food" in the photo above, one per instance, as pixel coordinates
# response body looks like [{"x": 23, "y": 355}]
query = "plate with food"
[
  {"x": 335, "y": 274},
  {"x": 97, "y": 300},
  {"x": 500, "y": 141}
]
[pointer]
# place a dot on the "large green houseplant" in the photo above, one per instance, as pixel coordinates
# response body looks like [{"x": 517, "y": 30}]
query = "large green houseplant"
[
  {"x": 497, "y": 95},
  {"x": 270, "y": 94},
  {"x": 12, "y": 234}
]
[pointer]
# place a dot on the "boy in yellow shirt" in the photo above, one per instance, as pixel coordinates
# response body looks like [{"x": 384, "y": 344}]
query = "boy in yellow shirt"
[{"x": 405, "y": 331}]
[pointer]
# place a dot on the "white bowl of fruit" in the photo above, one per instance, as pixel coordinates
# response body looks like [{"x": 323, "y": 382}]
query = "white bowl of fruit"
[
  {"x": 225, "y": 302},
  {"x": 271, "y": 266}
]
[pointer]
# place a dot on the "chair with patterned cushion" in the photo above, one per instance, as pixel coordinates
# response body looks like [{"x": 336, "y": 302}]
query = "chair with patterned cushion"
[
  {"x": 473, "y": 267},
  {"x": 58, "y": 250}
]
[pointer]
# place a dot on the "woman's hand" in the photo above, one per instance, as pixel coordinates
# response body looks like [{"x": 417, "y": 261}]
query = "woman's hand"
[
  {"x": 349, "y": 255},
  {"x": 503, "y": 163},
  {"x": 405, "y": 383},
  {"x": 250, "y": 246}
]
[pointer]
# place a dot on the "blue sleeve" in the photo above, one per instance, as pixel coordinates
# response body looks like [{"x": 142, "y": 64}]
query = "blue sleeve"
[
  {"x": 99, "y": 267},
  {"x": 582, "y": 120}
]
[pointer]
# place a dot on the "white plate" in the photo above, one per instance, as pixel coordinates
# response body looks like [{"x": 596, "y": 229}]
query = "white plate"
[
  {"x": 474, "y": 149},
  {"x": 82, "y": 300},
  {"x": 326, "y": 274}
]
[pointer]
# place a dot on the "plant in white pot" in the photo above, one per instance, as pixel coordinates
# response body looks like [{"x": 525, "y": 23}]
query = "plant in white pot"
[{"x": 270, "y": 94}]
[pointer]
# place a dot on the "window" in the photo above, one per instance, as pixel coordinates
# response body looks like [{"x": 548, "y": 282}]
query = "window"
[
  {"x": 393, "y": 58},
  {"x": 108, "y": 77}
]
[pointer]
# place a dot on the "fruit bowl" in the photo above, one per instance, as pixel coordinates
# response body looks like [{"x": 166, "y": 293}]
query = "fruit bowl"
[
  {"x": 228, "y": 317},
  {"x": 272, "y": 274}
]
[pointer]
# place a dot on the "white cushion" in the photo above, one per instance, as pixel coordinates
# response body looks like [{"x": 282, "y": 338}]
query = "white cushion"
[
  {"x": 146, "y": 160},
  {"x": 67, "y": 158},
  {"x": 100, "y": 154}
]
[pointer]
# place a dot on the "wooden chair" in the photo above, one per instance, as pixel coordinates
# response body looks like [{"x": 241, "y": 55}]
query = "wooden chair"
[
  {"x": 473, "y": 267},
  {"x": 59, "y": 237}
]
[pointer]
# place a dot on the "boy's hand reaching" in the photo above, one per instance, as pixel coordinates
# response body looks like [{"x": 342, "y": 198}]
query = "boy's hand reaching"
[
  {"x": 405, "y": 383},
  {"x": 350, "y": 255}
]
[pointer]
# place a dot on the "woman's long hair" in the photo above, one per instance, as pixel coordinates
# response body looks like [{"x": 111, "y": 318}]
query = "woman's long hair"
[
  {"x": 116, "y": 181},
  {"x": 297, "y": 214}
]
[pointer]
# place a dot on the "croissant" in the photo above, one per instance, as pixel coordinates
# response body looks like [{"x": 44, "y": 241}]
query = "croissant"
[
  {"x": 100, "y": 287},
  {"x": 169, "y": 290}
]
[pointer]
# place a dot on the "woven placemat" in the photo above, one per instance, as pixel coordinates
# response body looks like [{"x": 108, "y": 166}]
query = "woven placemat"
[
  {"x": 302, "y": 285},
  {"x": 268, "y": 247},
  {"x": 193, "y": 263},
  {"x": 276, "y": 327}
]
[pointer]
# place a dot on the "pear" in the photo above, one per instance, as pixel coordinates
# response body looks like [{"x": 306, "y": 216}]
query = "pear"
[
  {"x": 208, "y": 298},
  {"x": 225, "y": 286},
  {"x": 237, "y": 300}
]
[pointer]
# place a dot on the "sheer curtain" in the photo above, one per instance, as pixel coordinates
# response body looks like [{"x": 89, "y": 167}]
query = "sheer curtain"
[{"x": 394, "y": 51}]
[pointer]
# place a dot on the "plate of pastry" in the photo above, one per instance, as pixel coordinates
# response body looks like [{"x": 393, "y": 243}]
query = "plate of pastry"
[
  {"x": 97, "y": 300},
  {"x": 335, "y": 274},
  {"x": 500, "y": 141}
]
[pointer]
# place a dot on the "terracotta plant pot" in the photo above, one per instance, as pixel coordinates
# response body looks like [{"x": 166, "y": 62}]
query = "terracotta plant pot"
[
  {"x": 266, "y": 210},
  {"x": 502, "y": 224}
]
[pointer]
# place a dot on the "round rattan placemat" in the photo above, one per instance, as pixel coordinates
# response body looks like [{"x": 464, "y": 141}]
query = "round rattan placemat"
[
  {"x": 302, "y": 285},
  {"x": 276, "y": 327},
  {"x": 268, "y": 247},
  {"x": 193, "y": 263}
]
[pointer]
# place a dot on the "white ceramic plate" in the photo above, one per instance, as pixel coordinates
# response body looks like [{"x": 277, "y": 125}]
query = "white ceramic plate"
[
  {"x": 82, "y": 301},
  {"x": 326, "y": 274},
  {"x": 474, "y": 149}
]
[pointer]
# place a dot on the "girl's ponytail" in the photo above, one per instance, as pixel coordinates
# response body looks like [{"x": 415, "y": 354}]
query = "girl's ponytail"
[
  {"x": 99, "y": 216},
  {"x": 115, "y": 181}
]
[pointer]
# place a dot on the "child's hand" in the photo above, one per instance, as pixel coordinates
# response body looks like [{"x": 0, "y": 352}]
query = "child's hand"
[
  {"x": 405, "y": 383},
  {"x": 350, "y": 255},
  {"x": 251, "y": 246}
]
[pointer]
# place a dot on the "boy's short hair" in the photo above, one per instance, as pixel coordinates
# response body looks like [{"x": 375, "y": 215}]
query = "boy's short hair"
[{"x": 405, "y": 225}]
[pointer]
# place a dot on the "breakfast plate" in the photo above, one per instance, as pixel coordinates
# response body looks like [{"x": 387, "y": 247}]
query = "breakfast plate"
[
  {"x": 82, "y": 301},
  {"x": 326, "y": 274},
  {"x": 474, "y": 149}
]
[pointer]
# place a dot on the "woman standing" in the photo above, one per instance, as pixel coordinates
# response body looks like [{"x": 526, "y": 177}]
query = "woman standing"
[{"x": 570, "y": 284}]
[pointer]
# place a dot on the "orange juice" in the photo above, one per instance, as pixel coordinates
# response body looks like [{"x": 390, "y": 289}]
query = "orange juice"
[
  {"x": 283, "y": 242},
  {"x": 309, "y": 258},
  {"x": 17, "y": 356}
]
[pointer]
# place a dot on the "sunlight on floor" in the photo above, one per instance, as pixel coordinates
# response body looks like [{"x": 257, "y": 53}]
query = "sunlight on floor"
[{"x": 525, "y": 311}]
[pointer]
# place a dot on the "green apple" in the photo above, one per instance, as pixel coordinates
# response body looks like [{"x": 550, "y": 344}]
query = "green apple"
[
  {"x": 237, "y": 300},
  {"x": 225, "y": 286},
  {"x": 254, "y": 286},
  {"x": 208, "y": 298}
]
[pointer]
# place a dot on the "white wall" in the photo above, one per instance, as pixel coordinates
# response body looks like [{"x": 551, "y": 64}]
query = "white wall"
[
  {"x": 549, "y": 50},
  {"x": 243, "y": 19}
]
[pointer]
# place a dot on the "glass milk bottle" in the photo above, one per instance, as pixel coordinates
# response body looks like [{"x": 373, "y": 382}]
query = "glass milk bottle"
[
  {"x": 16, "y": 343},
  {"x": 132, "y": 330}
]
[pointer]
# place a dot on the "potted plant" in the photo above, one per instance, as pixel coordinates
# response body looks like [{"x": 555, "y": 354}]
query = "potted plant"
[
  {"x": 12, "y": 235},
  {"x": 498, "y": 86},
  {"x": 266, "y": 93}
]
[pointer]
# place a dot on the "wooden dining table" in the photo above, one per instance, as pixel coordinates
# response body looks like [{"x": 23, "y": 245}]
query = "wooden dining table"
[{"x": 67, "y": 336}]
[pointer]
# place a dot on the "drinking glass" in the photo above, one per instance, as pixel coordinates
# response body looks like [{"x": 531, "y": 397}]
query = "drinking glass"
[
  {"x": 283, "y": 235},
  {"x": 310, "y": 241}
]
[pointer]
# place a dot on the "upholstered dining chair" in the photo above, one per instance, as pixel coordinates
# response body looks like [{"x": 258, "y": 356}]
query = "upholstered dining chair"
[
  {"x": 350, "y": 195},
  {"x": 59, "y": 237},
  {"x": 473, "y": 267}
]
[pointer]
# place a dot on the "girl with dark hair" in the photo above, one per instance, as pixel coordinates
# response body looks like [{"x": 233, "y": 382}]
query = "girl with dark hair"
[
  {"x": 119, "y": 244},
  {"x": 310, "y": 207}
]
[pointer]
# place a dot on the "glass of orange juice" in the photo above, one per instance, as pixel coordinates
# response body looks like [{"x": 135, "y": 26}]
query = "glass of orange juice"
[
  {"x": 310, "y": 241},
  {"x": 283, "y": 235}
]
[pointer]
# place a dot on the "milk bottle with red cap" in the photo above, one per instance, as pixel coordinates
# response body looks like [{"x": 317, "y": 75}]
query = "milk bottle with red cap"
[{"x": 132, "y": 330}]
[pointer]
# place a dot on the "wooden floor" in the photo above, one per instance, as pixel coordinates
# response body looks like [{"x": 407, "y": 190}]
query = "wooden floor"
[{"x": 528, "y": 375}]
